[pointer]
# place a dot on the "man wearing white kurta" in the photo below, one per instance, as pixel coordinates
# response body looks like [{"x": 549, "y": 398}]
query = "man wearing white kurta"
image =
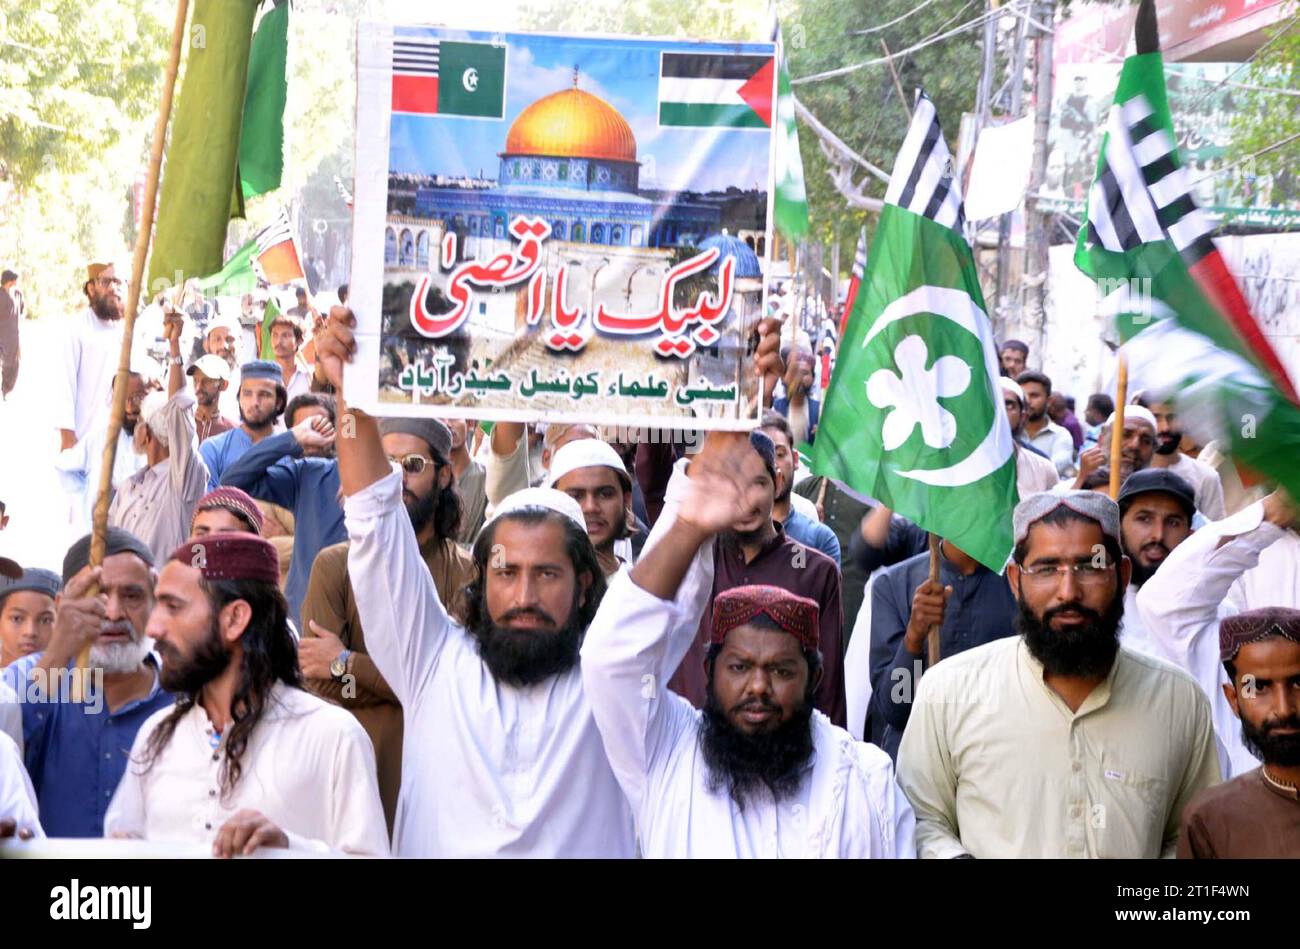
[
  {"x": 293, "y": 772},
  {"x": 1244, "y": 562},
  {"x": 844, "y": 802},
  {"x": 488, "y": 768},
  {"x": 17, "y": 797},
  {"x": 89, "y": 357}
]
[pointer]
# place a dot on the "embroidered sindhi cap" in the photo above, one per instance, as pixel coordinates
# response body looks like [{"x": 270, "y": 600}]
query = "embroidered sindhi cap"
[
  {"x": 1254, "y": 625},
  {"x": 233, "y": 500},
  {"x": 231, "y": 556},
  {"x": 1090, "y": 504},
  {"x": 795, "y": 615}
]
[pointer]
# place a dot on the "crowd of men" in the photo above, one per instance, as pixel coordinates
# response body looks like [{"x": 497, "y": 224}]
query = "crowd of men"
[{"x": 320, "y": 630}]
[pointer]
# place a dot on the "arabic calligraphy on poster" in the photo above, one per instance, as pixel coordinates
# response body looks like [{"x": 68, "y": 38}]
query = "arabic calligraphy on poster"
[{"x": 581, "y": 235}]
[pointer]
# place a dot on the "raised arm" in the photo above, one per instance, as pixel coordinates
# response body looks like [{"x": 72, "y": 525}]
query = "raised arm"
[
  {"x": 405, "y": 623},
  {"x": 506, "y": 467},
  {"x": 648, "y": 619},
  {"x": 259, "y": 472}
]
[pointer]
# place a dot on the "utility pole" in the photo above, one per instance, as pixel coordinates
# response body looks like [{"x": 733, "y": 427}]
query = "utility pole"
[{"x": 1036, "y": 230}]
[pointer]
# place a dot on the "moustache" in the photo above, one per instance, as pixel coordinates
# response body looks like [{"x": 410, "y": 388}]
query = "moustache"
[
  {"x": 117, "y": 626},
  {"x": 1292, "y": 722},
  {"x": 1150, "y": 548},
  {"x": 756, "y": 705},
  {"x": 1092, "y": 616},
  {"x": 526, "y": 612}
]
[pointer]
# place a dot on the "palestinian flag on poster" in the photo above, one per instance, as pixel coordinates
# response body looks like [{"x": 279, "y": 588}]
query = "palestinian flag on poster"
[
  {"x": 790, "y": 210},
  {"x": 1187, "y": 331},
  {"x": 276, "y": 260},
  {"x": 440, "y": 77},
  {"x": 914, "y": 415},
  {"x": 706, "y": 90}
]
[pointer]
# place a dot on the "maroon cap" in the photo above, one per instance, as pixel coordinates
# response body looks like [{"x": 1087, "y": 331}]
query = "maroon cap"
[
  {"x": 1254, "y": 625},
  {"x": 231, "y": 556},
  {"x": 795, "y": 615},
  {"x": 233, "y": 500}
]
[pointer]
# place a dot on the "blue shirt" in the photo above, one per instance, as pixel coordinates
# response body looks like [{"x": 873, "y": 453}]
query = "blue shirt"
[
  {"x": 221, "y": 451},
  {"x": 77, "y": 756},
  {"x": 813, "y": 534},
  {"x": 309, "y": 487},
  {"x": 980, "y": 610}
]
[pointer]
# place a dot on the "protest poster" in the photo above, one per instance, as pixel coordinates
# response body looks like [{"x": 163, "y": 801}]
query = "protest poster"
[{"x": 560, "y": 228}]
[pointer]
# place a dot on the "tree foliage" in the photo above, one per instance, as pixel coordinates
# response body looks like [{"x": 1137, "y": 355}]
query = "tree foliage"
[{"x": 1269, "y": 117}]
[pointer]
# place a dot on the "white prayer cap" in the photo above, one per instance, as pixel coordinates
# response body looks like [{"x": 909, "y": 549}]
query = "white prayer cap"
[
  {"x": 151, "y": 408},
  {"x": 1138, "y": 414},
  {"x": 549, "y": 498},
  {"x": 587, "y": 453},
  {"x": 1010, "y": 385}
]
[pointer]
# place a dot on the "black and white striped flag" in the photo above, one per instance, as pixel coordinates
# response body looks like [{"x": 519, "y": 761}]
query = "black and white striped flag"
[{"x": 923, "y": 180}]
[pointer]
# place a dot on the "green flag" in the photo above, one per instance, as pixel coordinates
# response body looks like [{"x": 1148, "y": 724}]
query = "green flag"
[
  {"x": 268, "y": 317},
  {"x": 791, "y": 209},
  {"x": 914, "y": 414},
  {"x": 472, "y": 79},
  {"x": 199, "y": 175},
  {"x": 261, "y": 144},
  {"x": 236, "y": 278},
  {"x": 1188, "y": 333}
]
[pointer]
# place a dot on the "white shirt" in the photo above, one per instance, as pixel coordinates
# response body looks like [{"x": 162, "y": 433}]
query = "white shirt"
[
  {"x": 1058, "y": 444},
  {"x": 17, "y": 796},
  {"x": 157, "y": 503},
  {"x": 299, "y": 384},
  {"x": 847, "y": 805},
  {"x": 488, "y": 769},
  {"x": 1201, "y": 582},
  {"x": 805, "y": 506},
  {"x": 78, "y": 469},
  {"x": 1034, "y": 473},
  {"x": 11, "y": 716},
  {"x": 1205, "y": 483},
  {"x": 308, "y": 767},
  {"x": 89, "y": 357},
  {"x": 857, "y": 666}
]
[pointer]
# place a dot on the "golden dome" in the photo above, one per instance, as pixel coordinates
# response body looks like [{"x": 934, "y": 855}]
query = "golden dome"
[{"x": 572, "y": 124}]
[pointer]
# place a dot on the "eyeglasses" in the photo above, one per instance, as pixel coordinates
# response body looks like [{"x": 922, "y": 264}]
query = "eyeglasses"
[
  {"x": 1088, "y": 573},
  {"x": 412, "y": 464},
  {"x": 110, "y": 281}
]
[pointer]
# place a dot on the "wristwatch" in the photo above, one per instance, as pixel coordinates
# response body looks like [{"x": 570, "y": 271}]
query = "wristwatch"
[
  {"x": 340, "y": 664},
  {"x": 176, "y": 360}
]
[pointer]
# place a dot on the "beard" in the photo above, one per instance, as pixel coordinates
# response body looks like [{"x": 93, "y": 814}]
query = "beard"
[
  {"x": 1168, "y": 443},
  {"x": 745, "y": 538},
  {"x": 189, "y": 674},
  {"x": 743, "y": 764},
  {"x": 1143, "y": 572},
  {"x": 108, "y": 308},
  {"x": 1085, "y": 652},
  {"x": 119, "y": 658},
  {"x": 256, "y": 420},
  {"x": 524, "y": 657},
  {"x": 420, "y": 510},
  {"x": 784, "y": 493},
  {"x": 1280, "y": 750}
]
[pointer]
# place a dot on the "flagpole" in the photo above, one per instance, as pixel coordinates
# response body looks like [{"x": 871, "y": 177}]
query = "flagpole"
[
  {"x": 932, "y": 639},
  {"x": 1117, "y": 432},
  {"x": 99, "y": 522}
]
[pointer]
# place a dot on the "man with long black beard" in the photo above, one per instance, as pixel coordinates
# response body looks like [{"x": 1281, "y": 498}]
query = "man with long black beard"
[
  {"x": 756, "y": 550},
  {"x": 1256, "y": 814},
  {"x": 757, "y": 772},
  {"x": 332, "y": 653},
  {"x": 245, "y": 758},
  {"x": 1059, "y": 742}
]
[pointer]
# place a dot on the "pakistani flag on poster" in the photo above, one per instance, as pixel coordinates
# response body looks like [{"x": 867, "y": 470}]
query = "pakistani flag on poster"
[
  {"x": 1188, "y": 333},
  {"x": 441, "y": 77},
  {"x": 914, "y": 414}
]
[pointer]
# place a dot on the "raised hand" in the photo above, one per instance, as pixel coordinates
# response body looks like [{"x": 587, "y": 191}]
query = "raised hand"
[
  {"x": 715, "y": 498},
  {"x": 336, "y": 345}
]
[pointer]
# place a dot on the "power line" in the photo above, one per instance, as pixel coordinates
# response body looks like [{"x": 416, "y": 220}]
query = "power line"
[
  {"x": 1246, "y": 62},
  {"x": 884, "y": 26},
  {"x": 845, "y": 70}
]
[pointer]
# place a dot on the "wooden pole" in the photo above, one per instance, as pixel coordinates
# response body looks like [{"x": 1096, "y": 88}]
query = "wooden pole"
[
  {"x": 932, "y": 640},
  {"x": 99, "y": 522},
  {"x": 1117, "y": 432}
]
